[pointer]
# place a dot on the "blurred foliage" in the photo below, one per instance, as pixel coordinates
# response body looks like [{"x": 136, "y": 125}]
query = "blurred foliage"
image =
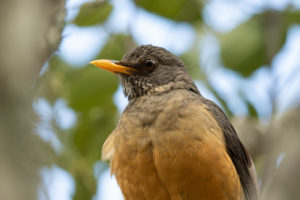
[
  {"x": 93, "y": 13},
  {"x": 89, "y": 91},
  {"x": 178, "y": 10},
  {"x": 255, "y": 42},
  {"x": 116, "y": 46},
  {"x": 191, "y": 61}
]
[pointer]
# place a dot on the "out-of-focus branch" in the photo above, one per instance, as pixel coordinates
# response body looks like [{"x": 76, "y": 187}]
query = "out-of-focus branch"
[
  {"x": 30, "y": 31},
  {"x": 276, "y": 153},
  {"x": 283, "y": 178}
]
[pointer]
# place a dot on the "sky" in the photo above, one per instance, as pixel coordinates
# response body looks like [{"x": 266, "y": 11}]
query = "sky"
[{"x": 81, "y": 45}]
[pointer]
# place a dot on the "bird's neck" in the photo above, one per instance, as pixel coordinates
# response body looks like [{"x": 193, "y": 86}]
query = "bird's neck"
[
  {"x": 135, "y": 88},
  {"x": 173, "y": 86}
]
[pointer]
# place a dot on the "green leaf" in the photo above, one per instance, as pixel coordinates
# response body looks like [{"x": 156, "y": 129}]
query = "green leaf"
[
  {"x": 256, "y": 42},
  {"x": 93, "y": 13},
  {"x": 90, "y": 87},
  {"x": 243, "y": 49},
  {"x": 178, "y": 10},
  {"x": 191, "y": 61},
  {"x": 251, "y": 109},
  {"x": 291, "y": 17},
  {"x": 116, "y": 46}
]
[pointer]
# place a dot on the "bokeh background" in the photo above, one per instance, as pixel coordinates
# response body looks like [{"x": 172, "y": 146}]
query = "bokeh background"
[{"x": 56, "y": 110}]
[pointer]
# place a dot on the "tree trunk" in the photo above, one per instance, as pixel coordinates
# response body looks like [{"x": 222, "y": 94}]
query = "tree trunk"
[{"x": 30, "y": 31}]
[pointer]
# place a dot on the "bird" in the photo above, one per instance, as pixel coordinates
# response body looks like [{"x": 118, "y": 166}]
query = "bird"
[{"x": 171, "y": 143}]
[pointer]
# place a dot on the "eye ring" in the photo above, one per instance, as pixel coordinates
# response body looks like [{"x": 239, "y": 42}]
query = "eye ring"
[{"x": 150, "y": 63}]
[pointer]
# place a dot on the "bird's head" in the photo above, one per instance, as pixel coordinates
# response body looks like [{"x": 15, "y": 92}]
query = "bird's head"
[{"x": 149, "y": 69}]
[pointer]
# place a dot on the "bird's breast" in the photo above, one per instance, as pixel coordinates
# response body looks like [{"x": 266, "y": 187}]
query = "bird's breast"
[{"x": 172, "y": 148}]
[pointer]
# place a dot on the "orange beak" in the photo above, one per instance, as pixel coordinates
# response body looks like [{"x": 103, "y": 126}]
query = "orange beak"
[{"x": 111, "y": 66}]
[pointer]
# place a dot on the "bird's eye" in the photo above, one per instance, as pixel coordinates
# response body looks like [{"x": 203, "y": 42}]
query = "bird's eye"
[{"x": 150, "y": 63}]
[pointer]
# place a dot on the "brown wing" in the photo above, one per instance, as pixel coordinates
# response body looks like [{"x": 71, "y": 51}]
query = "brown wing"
[{"x": 237, "y": 152}]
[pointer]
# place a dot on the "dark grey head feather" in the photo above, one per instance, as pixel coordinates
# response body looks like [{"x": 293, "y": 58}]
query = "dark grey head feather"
[{"x": 158, "y": 70}]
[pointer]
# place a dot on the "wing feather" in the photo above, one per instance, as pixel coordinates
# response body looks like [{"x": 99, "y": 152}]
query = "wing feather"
[{"x": 237, "y": 152}]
